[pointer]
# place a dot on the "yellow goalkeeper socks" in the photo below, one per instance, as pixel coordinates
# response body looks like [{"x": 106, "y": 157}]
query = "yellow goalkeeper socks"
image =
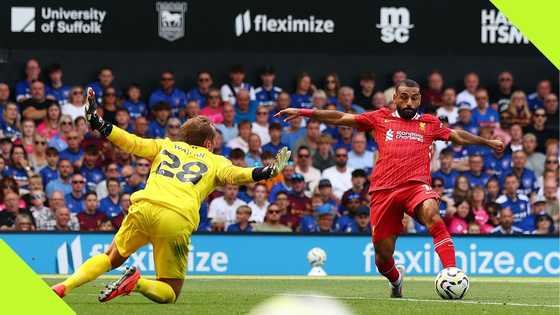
[
  {"x": 90, "y": 270},
  {"x": 157, "y": 291}
]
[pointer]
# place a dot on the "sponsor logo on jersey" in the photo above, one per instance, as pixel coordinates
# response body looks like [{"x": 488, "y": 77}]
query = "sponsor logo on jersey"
[
  {"x": 171, "y": 20},
  {"x": 389, "y": 135},
  {"x": 394, "y": 24},
  {"x": 403, "y": 135},
  {"x": 263, "y": 23},
  {"x": 57, "y": 20},
  {"x": 495, "y": 28}
]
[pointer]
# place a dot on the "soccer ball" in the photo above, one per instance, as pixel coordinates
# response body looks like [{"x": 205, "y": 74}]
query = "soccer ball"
[
  {"x": 316, "y": 257},
  {"x": 452, "y": 283}
]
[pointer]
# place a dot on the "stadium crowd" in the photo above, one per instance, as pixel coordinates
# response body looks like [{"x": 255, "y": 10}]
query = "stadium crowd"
[{"x": 57, "y": 175}]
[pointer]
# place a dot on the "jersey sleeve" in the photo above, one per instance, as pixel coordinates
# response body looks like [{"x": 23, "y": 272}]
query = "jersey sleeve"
[
  {"x": 365, "y": 121},
  {"x": 228, "y": 173},
  {"x": 146, "y": 148},
  {"x": 440, "y": 132}
]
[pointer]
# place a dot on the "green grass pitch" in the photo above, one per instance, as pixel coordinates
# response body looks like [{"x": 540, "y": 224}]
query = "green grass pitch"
[{"x": 238, "y": 295}]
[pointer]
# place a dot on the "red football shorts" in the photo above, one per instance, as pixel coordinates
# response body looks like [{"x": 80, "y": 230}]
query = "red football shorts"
[{"x": 389, "y": 205}]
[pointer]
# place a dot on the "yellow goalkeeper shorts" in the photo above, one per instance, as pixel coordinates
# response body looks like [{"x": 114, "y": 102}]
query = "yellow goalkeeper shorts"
[{"x": 168, "y": 232}]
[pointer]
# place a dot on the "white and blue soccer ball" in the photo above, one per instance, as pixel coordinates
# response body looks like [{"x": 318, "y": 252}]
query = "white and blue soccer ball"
[
  {"x": 316, "y": 257},
  {"x": 452, "y": 283}
]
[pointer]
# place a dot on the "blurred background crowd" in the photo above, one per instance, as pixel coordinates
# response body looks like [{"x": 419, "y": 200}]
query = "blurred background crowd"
[{"x": 58, "y": 175}]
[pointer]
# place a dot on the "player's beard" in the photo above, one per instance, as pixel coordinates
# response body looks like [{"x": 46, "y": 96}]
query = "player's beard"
[{"x": 406, "y": 113}]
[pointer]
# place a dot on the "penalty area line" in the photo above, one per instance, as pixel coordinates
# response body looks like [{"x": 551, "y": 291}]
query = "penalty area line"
[{"x": 422, "y": 300}]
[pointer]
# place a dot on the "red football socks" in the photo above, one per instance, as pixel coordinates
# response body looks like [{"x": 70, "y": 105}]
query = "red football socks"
[
  {"x": 443, "y": 244},
  {"x": 388, "y": 269}
]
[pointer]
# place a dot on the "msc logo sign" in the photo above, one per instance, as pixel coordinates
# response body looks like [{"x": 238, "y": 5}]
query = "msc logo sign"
[
  {"x": 394, "y": 24},
  {"x": 23, "y": 20}
]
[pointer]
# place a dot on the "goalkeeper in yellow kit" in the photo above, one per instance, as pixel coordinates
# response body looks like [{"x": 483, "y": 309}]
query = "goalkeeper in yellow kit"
[{"x": 165, "y": 213}]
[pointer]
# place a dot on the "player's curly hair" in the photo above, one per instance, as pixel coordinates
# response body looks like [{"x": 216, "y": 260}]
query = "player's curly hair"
[{"x": 198, "y": 129}]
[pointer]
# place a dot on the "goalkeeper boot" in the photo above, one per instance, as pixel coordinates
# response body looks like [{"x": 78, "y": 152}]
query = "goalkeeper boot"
[
  {"x": 396, "y": 289},
  {"x": 123, "y": 286},
  {"x": 59, "y": 289}
]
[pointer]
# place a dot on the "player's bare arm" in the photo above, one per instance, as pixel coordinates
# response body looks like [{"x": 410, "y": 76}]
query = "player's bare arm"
[
  {"x": 464, "y": 138},
  {"x": 331, "y": 117}
]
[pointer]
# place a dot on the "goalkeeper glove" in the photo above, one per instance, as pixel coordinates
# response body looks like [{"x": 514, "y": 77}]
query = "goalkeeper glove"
[
  {"x": 96, "y": 122},
  {"x": 273, "y": 168}
]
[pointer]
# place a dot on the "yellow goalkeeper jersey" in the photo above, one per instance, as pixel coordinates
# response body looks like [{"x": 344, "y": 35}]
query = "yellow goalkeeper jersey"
[{"x": 182, "y": 175}]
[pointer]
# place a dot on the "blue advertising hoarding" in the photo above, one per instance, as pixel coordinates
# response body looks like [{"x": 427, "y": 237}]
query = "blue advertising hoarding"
[{"x": 260, "y": 254}]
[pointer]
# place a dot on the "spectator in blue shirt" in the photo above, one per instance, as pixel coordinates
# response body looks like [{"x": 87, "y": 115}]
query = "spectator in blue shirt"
[
  {"x": 111, "y": 204},
  {"x": 56, "y": 89},
  {"x": 512, "y": 199},
  {"x": 361, "y": 223},
  {"x": 105, "y": 80},
  {"x": 359, "y": 156},
  {"x": 527, "y": 181},
  {"x": 245, "y": 108},
  {"x": 161, "y": 112},
  {"x": 304, "y": 91},
  {"x": 134, "y": 104},
  {"x": 168, "y": 93},
  {"x": 465, "y": 120},
  {"x": 279, "y": 192},
  {"x": 283, "y": 101},
  {"x": 497, "y": 163},
  {"x": 506, "y": 226},
  {"x": 92, "y": 174},
  {"x": 229, "y": 90},
  {"x": 476, "y": 175},
  {"x": 122, "y": 117},
  {"x": 74, "y": 153},
  {"x": 483, "y": 114},
  {"x": 19, "y": 168},
  {"x": 75, "y": 199},
  {"x": 346, "y": 99},
  {"x": 32, "y": 73},
  {"x": 228, "y": 127},
  {"x": 529, "y": 224},
  {"x": 253, "y": 156},
  {"x": 293, "y": 133},
  {"x": 204, "y": 82},
  {"x": 267, "y": 93},
  {"x": 50, "y": 171},
  {"x": 242, "y": 215},
  {"x": 62, "y": 183},
  {"x": 8, "y": 121},
  {"x": 446, "y": 172},
  {"x": 331, "y": 86},
  {"x": 536, "y": 99},
  {"x": 275, "y": 131}
]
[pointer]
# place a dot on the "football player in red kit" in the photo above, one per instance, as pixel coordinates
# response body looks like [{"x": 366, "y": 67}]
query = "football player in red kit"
[{"x": 401, "y": 180}]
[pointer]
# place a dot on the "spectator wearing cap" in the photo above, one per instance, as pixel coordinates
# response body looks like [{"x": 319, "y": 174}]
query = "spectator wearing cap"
[
  {"x": 293, "y": 133},
  {"x": 346, "y": 99},
  {"x": 261, "y": 125},
  {"x": 162, "y": 112},
  {"x": 299, "y": 202},
  {"x": 325, "y": 221},
  {"x": 133, "y": 103},
  {"x": 476, "y": 175},
  {"x": 242, "y": 215},
  {"x": 536, "y": 99},
  {"x": 111, "y": 204},
  {"x": 236, "y": 83},
  {"x": 448, "y": 108},
  {"x": 200, "y": 93},
  {"x": 122, "y": 117},
  {"x": 517, "y": 202},
  {"x": 259, "y": 204},
  {"x": 551, "y": 108},
  {"x": 90, "y": 218},
  {"x": 535, "y": 160},
  {"x": 303, "y": 167},
  {"x": 175, "y": 98},
  {"x": 506, "y": 226},
  {"x": 527, "y": 181},
  {"x": 301, "y": 98},
  {"x": 35, "y": 108},
  {"x": 465, "y": 119},
  {"x": 9, "y": 121},
  {"x": 359, "y": 181},
  {"x": 364, "y": 96},
  {"x": 105, "y": 79},
  {"x": 62, "y": 183},
  {"x": 56, "y": 89},
  {"x": 324, "y": 157},
  {"x": 75, "y": 199},
  {"x": 398, "y": 76},
  {"x": 282, "y": 102},
  {"x": 538, "y": 128},
  {"x": 529, "y": 223},
  {"x": 311, "y": 138},
  {"x": 339, "y": 174},
  {"x": 23, "y": 87},
  {"x": 275, "y": 132},
  {"x": 272, "y": 221},
  {"x": 359, "y": 156},
  {"x": 471, "y": 82},
  {"x": 228, "y": 127},
  {"x": 325, "y": 192},
  {"x": 214, "y": 109},
  {"x": 253, "y": 156},
  {"x": 267, "y": 93},
  {"x": 242, "y": 140},
  {"x": 361, "y": 223},
  {"x": 224, "y": 208},
  {"x": 483, "y": 114}
]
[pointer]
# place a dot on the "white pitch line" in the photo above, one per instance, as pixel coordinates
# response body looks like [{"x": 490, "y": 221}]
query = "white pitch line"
[{"x": 423, "y": 300}]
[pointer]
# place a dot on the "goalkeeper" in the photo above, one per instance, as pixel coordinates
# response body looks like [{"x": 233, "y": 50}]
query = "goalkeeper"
[{"x": 165, "y": 213}]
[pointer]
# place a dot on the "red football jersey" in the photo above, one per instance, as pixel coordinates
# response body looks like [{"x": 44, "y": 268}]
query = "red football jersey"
[{"x": 404, "y": 146}]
